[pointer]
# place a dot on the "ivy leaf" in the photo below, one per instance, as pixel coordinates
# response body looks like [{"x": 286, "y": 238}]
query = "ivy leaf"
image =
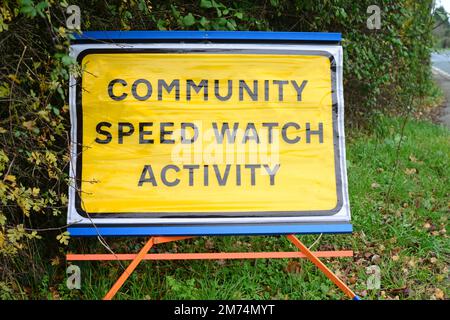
[
  {"x": 239, "y": 15},
  {"x": 206, "y": 4},
  {"x": 4, "y": 90},
  {"x": 203, "y": 21},
  {"x": 67, "y": 60},
  {"x": 188, "y": 20}
]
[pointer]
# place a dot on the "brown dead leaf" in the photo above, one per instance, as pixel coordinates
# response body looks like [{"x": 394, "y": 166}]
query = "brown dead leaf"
[
  {"x": 29, "y": 124},
  {"x": 293, "y": 267},
  {"x": 410, "y": 171},
  {"x": 376, "y": 259},
  {"x": 55, "y": 261},
  {"x": 375, "y": 185},
  {"x": 221, "y": 262},
  {"x": 209, "y": 244},
  {"x": 439, "y": 294}
]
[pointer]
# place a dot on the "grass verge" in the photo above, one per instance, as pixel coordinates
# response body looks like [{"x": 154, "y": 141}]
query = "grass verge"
[{"x": 400, "y": 204}]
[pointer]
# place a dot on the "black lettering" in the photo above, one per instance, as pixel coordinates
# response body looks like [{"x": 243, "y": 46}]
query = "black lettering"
[
  {"x": 270, "y": 125},
  {"x": 99, "y": 130},
  {"x": 280, "y": 84},
  {"x": 149, "y": 89},
  {"x": 254, "y": 134},
  {"x": 284, "y": 132},
  {"x": 299, "y": 89},
  {"x": 225, "y": 130},
  {"x": 229, "y": 93},
  {"x": 122, "y": 133},
  {"x": 143, "y": 132},
  {"x": 111, "y": 89},
  {"x": 162, "y": 84},
  {"x": 252, "y": 94},
  {"x": 184, "y": 126},
  {"x": 253, "y": 168},
  {"x": 272, "y": 172},
  {"x": 222, "y": 180},
  {"x": 202, "y": 85},
  {"x": 164, "y": 132},
  {"x": 164, "y": 177},
  {"x": 238, "y": 174},
  {"x": 191, "y": 168},
  {"x": 266, "y": 90},
  {"x": 206, "y": 175},
  {"x": 151, "y": 178},
  {"x": 318, "y": 132}
]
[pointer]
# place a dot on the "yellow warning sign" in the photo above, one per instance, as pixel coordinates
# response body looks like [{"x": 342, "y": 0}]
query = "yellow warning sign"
[{"x": 207, "y": 134}]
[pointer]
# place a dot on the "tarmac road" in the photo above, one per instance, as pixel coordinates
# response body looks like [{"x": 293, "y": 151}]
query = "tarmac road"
[{"x": 441, "y": 72}]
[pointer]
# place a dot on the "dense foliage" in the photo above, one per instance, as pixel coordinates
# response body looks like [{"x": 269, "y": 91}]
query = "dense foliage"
[
  {"x": 385, "y": 70},
  {"x": 441, "y": 29}
]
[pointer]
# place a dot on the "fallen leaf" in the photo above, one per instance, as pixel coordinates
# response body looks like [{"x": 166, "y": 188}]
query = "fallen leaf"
[
  {"x": 375, "y": 185},
  {"x": 410, "y": 171},
  {"x": 55, "y": 261},
  {"x": 221, "y": 262},
  {"x": 439, "y": 294},
  {"x": 293, "y": 267},
  {"x": 10, "y": 178},
  {"x": 395, "y": 258},
  {"x": 29, "y": 124},
  {"x": 209, "y": 244},
  {"x": 376, "y": 259}
]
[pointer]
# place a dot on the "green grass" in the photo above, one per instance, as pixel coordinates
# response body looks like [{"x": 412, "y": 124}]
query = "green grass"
[{"x": 406, "y": 229}]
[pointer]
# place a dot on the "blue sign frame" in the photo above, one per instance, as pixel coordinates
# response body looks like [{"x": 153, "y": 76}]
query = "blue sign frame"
[{"x": 85, "y": 230}]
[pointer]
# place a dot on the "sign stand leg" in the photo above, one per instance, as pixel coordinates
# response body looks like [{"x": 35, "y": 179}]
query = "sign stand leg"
[
  {"x": 328, "y": 273},
  {"x": 129, "y": 270},
  {"x": 143, "y": 254}
]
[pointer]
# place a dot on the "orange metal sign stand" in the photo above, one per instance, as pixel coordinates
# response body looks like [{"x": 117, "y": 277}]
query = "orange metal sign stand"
[{"x": 144, "y": 255}]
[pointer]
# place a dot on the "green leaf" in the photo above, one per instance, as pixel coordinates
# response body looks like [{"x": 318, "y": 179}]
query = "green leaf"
[
  {"x": 206, "y": 4},
  {"x": 188, "y": 20},
  {"x": 41, "y": 6},
  {"x": 203, "y": 21},
  {"x": 4, "y": 90},
  {"x": 230, "y": 26},
  {"x": 67, "y": 60}
]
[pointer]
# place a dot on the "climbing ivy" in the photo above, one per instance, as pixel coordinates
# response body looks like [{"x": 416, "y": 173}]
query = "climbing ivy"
[{"x": 383, "y": 69}]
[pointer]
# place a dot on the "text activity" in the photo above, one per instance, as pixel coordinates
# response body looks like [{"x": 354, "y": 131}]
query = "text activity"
[{"x": 190, "y": 132}]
